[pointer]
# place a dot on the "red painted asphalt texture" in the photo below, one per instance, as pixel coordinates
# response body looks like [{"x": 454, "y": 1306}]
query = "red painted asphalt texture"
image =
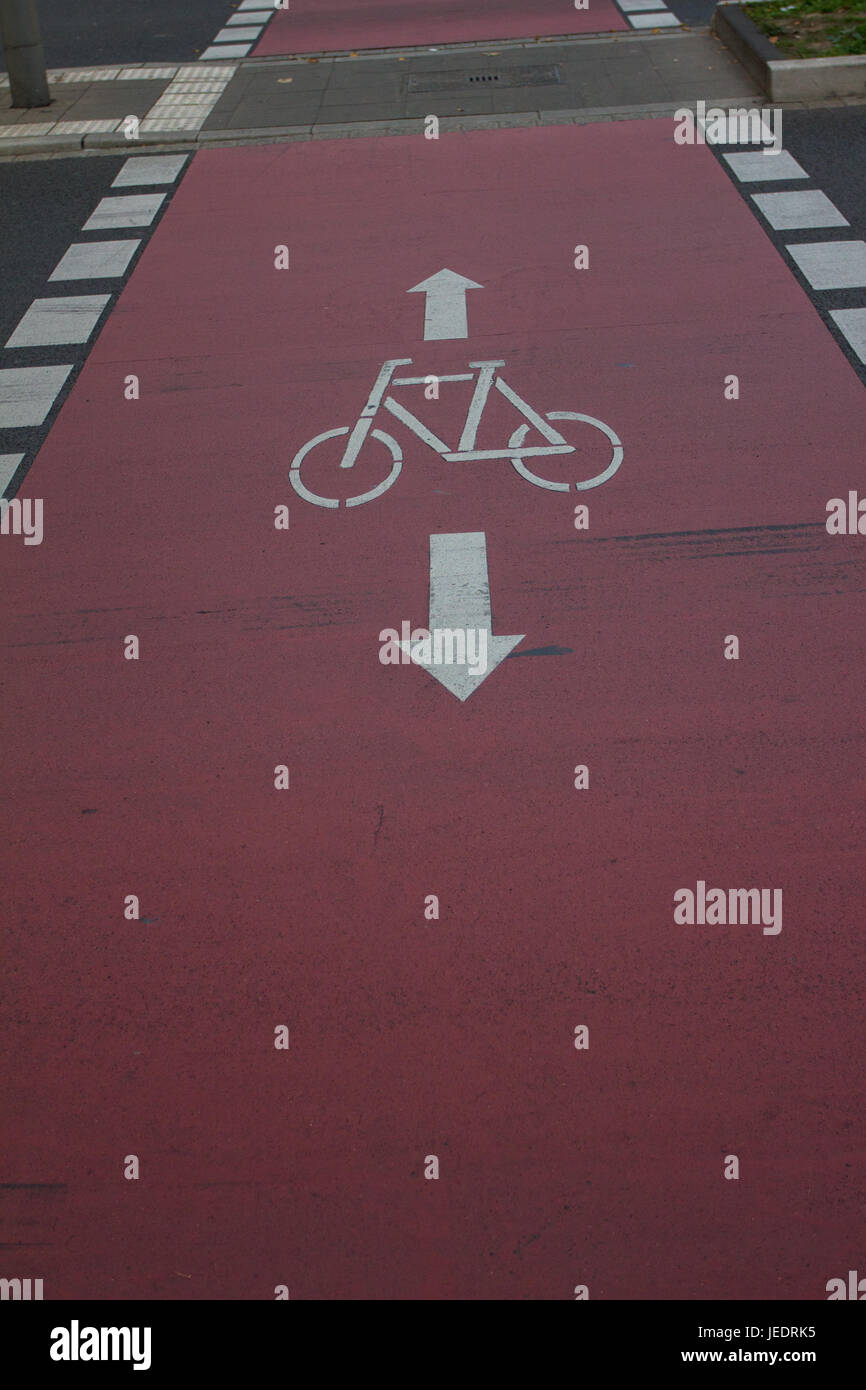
[
  {"x": 358, "y": 24},
  {"x": 454, "y": 1037}
]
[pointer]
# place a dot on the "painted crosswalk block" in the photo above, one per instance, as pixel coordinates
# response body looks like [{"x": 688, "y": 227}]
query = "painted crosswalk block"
[
  {"x": 831, "y": 265},
  {"x": 70, "y": 319},
  {"x": 807, "y": 208},
  {"x": 124, "y": 210},
  {"x": 149, "y": 169},
  {"x": 8, "y": 467},
  {"x": 852, "y": 322},
  {"x": 27, "y": 394},
  {"x": 95, "y": 260},
  {"x": 751, "y": 166}
]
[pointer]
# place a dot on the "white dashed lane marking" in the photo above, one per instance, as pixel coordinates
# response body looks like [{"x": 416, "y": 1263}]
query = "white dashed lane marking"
[
  {"x": 49, "y": 322},
  {"x": 758, "y": 167},
  {"x": 132, "y": 210},
  {"x": 831, "y": 265},
  {"x": 8, "y": 465},
  {"x": 648, "y": 14},
  {"x": 28, "y": 393},
  {"x": 852, "y": 322},
  {"x": 805, "y": 208},
  {"x": 236, "y": 34},
  {"x": 240, "y": 32},
  {"x": 655, "y": 19},
  {"x": 95, "y": 260},
  {"x": 228, "y": 50},
  {"x": 826, "y": 265},
  {"x": 150, "y": 169}
]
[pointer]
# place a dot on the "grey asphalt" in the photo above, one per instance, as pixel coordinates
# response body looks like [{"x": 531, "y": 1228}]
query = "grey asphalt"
[
  {"x": 84, "y": 33},
  {"x": 695, "y": 13}
]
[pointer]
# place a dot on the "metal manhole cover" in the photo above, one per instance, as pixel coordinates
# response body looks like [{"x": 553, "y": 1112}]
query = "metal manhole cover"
[{"x": 536, "y": 75}]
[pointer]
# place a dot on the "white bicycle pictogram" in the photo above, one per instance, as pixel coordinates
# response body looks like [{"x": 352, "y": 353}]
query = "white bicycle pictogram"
[{"x": 466, "y": 451}]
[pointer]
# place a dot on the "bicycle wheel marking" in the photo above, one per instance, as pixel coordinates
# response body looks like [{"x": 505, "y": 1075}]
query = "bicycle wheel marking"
[
  {"x": 332, "y": 502},
  {"x": 514, "y": 451}
]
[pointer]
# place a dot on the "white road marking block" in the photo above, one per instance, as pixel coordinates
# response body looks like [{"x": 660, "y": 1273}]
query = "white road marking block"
[
  {"x": 852, "y": 322},
  {"x": 807, "y": 207},
  {"x": 133, "y": 210},
  {"x": 52, "y": 321},
  {"x": 831, "y": 265},
  {"x": 28, "y": 393},
  {"x": 756, "y": 167},
  {"x": 237, "y": 34},
  {"x": 158, "y": 168},
  {"x": 95, "y": 260},
  {"x": 8, "y": 466},
  {"x": 226, "y": 50},
  {"x": 655, "y": 19}
]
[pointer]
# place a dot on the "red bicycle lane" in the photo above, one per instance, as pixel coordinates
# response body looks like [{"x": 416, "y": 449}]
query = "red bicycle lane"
[
  {"x": 452, "y": 1037},
  {"x": 360, "y": 24}
]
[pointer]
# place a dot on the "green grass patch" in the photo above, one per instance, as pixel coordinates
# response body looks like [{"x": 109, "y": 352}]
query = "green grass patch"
[{"x": 812, "y": 28}]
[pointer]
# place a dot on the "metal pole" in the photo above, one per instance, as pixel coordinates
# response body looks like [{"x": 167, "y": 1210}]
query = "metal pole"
[{"x": 22, "y": 45}]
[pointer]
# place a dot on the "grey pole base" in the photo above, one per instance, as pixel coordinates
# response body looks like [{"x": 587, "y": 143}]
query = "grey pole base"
[{"x": 25, "y": 59}]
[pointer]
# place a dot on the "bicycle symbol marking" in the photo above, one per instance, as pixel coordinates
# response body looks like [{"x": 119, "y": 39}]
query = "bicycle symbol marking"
[{"x": 466, "y": 451}]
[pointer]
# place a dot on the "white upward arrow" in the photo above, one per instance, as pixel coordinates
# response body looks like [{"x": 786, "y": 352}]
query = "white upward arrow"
[
  {"x": 445, "y": 310},
  {"x": 460, "y": 599}
]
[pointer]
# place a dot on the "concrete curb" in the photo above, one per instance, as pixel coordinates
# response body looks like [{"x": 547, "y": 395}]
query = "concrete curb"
[
  {"x": 114, "y": 142},
  {"x": 791, "y": 79},
  {"x": 168, "y": 141}
]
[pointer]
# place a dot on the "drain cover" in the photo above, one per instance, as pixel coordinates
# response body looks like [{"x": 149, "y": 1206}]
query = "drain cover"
[{"x": 537, "y": 75}]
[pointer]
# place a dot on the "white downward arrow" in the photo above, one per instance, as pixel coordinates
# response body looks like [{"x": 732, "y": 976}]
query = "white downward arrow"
[
  {"x": 460, "y": 600},
  {"x": 445, "y": 309}
]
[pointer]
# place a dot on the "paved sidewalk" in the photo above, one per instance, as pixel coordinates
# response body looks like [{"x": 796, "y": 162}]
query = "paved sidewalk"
[
  {"x": 467, "y": 86},
  {"x": 575, "y": 76},
  {"x": 299, "y": 98},
  {"x": 93, "y": 106}
]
